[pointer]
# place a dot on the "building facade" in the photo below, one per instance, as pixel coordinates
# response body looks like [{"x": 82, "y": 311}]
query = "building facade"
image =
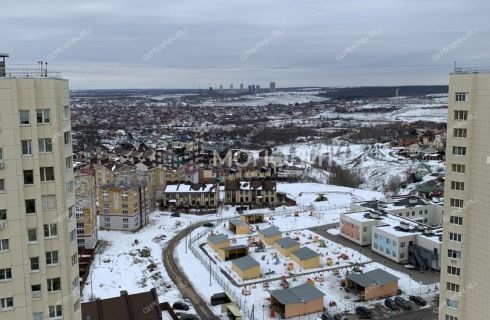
[
  {"x": 464, "y": 290},
  {"x": 86, "y": 210},
  {"x": 38, "y": 246}
]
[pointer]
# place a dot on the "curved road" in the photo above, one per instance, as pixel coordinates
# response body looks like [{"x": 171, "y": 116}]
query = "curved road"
[{"x": 180, "y": 279}]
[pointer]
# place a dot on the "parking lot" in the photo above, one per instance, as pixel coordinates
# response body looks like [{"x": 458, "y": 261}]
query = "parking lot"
[{"x": 381, "y": 312}]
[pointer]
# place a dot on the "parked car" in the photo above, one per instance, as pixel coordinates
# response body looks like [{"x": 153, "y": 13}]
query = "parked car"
[
  {"x": 180, "y": 306},
  {"x": 418, "y": 300},
  {"x": 187, "y": 316},
  {"x": 390, "y": 304},
  {"x": 175, "y": 215},
  {"x": 208, "y": 225},
  {"x": 339, "y": 316},
  {"x": 364, "y": 313},
  {"x": 327, "y": 316},
  {"x": 403, "y": 303}
]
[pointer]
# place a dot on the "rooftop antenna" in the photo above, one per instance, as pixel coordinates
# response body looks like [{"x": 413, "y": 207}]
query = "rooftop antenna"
[{"x": 455, "y": 66}]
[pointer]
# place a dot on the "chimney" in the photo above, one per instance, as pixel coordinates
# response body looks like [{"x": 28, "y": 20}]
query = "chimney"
[{"x": 3, "y": 72}]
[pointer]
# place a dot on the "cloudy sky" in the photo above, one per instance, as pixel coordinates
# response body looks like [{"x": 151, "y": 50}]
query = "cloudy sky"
[{"x": 201, "y": 43}]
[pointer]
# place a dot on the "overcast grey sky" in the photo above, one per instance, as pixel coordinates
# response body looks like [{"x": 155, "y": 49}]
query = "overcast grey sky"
[{"x": 192, "y": 43}]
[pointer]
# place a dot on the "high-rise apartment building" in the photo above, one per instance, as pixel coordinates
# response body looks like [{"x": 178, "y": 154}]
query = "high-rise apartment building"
[
  {"x": 465, "y": 255},
  {"x": 38, "y": 245}
]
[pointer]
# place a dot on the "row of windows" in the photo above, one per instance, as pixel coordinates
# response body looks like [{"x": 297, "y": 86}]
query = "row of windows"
[
  {"x": 461, "y": 97},
  {"x": 43, "y": 116},
  {"x": 457, "y": 185},
  {"x": 458, "y": 168},
  {"x": 45, "y": 145},
  {"x": 460, "y": 133},
  {"x": 456, "y": 203},
  {"x": 455, "y": 237}
]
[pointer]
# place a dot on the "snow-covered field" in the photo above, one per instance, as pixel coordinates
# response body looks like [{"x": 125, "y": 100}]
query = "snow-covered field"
[{"x": 377, "y": 165}]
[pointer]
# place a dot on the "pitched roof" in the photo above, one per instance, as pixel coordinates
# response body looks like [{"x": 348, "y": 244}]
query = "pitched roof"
[
  {"x": 218, "y": 238},
  {"x": 305, "y": 253},
  {"x": 237, "y": 222},
  {"x": 270, "y": 232},
  {"x": 140, "y": 306},
  {"x": 287, "y": 242},
  {"x": 299, "y": 294},
  {"x": 245, "y": 263},
  {"x": 376, "y": 277}
]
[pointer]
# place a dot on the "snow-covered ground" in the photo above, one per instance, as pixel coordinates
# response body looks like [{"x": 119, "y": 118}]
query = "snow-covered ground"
[{"x": 377, "y": 165}]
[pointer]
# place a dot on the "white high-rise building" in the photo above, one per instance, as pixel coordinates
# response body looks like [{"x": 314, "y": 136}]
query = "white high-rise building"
[
  {"x": 465, "y": 275},
  {"x": 38, "y": 244}
]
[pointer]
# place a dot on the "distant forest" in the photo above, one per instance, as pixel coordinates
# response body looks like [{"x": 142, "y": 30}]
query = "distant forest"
[{"x": 382, "y": 92}]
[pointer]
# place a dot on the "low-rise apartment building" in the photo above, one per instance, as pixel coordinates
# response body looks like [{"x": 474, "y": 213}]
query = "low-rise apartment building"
[
  {"x": 86, "y": 209},
  {"x": 254, "y": 192},
  {"x": 125, "y": 204},
  {"x": 187, "y": 195}
]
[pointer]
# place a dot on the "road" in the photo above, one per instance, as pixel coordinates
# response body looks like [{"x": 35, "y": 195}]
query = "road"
[
  {"x": 421, "y": 314},
  {"x": 428, "y": 277},
  {"x": 180, "y": 279}
]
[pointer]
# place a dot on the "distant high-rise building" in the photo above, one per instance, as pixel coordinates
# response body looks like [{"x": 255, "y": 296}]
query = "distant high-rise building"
[
  {"x": 241, "y": 86},
  {"x": 272, "y": 86},
  {"x": 221, "y": 88},
  {"x": 231, "y": 87},
  {"x": 38, "y": 232},
  {"x": 257, "y": 88},
  {"x": 465, "y": 255},
  {"x": 251, "y": 88}
]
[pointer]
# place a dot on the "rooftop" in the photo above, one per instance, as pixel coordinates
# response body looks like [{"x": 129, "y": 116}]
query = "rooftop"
[
  {"x": 245, "y": 263},
  {"x": 305, "y": 253},
  {"x": 299, "y": 294},
  {"x": 270, "y": 232},
  {"x": 31, "y": 73},
  {"x": 218, "y": 238},
  {"x": 376, "y": 277},
  {"x": 287, "y": 242},
  {"x": 469, "y": 70}
]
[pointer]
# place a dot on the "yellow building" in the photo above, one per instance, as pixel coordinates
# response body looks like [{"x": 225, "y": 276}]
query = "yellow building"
[
  {"x": 298, "y": 301},
  {"x": 238, "y": 226},
  {"x": 270, "y": 235},
  {"x": 86, "y": 209},
  {"x": 38, "y": 243},
  {"x": 232, "y": 252},
  {"x": 218, "y": 241},
  {"x": 246, "y": 268},
  {"x": 124, "y": 204},
  {"x": 286, "y": 245},
  {"x": 186, "y": 195},
  {"x": 306, "y": 258}
]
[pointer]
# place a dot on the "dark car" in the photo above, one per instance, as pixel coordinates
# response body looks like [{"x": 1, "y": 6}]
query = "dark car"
[
  {"x": 418, "y": 300},
  {"x": 339, "y": 316},
  {"x": 364, "y": 313},
  {"x": 187, "y": 316},
  {"x": 390, "y": 304},
  {"x": 208, "y": 225},
  {"x": 403, "y": 303},
  {"x": 175, "y": 215},
  {"x": 180, "y": 306},
  {"x": 327, "y": 316}
]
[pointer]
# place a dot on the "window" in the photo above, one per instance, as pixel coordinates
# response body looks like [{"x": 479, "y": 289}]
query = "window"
[
  {"x": 34, "y": 263},
  {"x": 50, "y": 230},
  {"x": 38, "y": 316},
  {"x": 45, "y": 145},
  {"x": 72, "y": 235},
  {"x": 68, "y": 162},
  {"x": 47, "y": 174},
  {"x": 458, "y": 168},
  {"x": 454, "y": 254},
  {"x": 66, "y": 112},
  {"x": 460, "y": 115},
  {"x": 461, "y": 96},
  {"x": 52, "y": 257},
  {"x": 55, "y": 311},
  {"x": 71, "y": 211},
  {"x": 54, "y": 284},
  {"x": 24, "y": 117},
  {"x": 402, "y": 244},
  {"x": 454, "y": 271},
  {"x": 2, "y": 184},
  {"x": 3, "y": 214},
  {"x": 48, "y": 202},
  {"x": 26, "y": 147},
  {"x": 1, "y": 154},
  {"x": 452, "y": 287},
  {"x": 452, "y": 303},
  {"x": 74, "y": 259},
  {"x": 36, "y": 291},
  {"x": 456, "y": 220},
  {"x": 455, "y": 237},
  {"x": 32, "y": 235},
  {"x": 6, "y": 303},
  {"x": 28, "y": 177},
  {"x": 456, "y": 185},
  {"x": 4, "y": 245},
  {"x": 460, "y": 133},
  {"x": 5, "y": 274},
  {"x": 448, "y": 317},
  {"x": 69, "y": 186},
  {"x": 456, "y": 203},
  {"x": 30, "y": 206},
  {"x": 67, "y": 136},
  {"x": 43, "y": 116},
  {"x": 459, "y": 151}
]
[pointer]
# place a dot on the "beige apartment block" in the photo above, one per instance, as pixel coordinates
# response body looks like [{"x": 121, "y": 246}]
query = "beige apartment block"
[
  {"x": 86, "y": 209},
  {"x": 125, "y": 204},
  {"x": 38, "y": 245},
  {"x": 465, "y": 256}
]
